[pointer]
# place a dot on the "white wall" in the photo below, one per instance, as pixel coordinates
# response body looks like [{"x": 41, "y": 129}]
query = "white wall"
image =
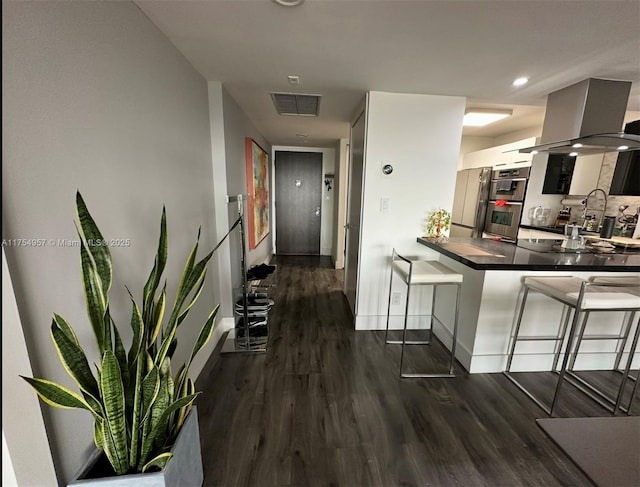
[
  {"x": 221, "y": 265},
  {"x": 327, "y": 217},
  {"x": 472, "y": 144},
  {"x": 96, "y": 99},
  {"x": 420, "y": 136},
  {"x": 517, "y": 136},
  {"x": 24, "y": 438}
]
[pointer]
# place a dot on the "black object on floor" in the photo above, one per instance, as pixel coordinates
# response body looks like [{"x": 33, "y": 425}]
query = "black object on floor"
[
  {"x": 606, "y": 449},
  {"x": 260, "y": 271}
]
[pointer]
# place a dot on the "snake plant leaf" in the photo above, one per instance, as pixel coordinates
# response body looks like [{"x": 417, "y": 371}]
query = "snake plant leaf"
[
  {"x": 161, "y": 424},
  {"x": 137, "y": 325},
  {"x": 192, "y": 276},
  {"x": 98, "y": 433},
  {"x": 172, "y": 348},
  {"x": 114, "y": 455},
  {"x": 138, "y": 404},
  {"x": 180, "y": 379},
  {"x": 158, "y": 266},
  {"x": 157, "y": 462},
  {"x": 74, "y": 360},
  {"x": 65, "y": 327},
  {"x": 158, "y": 406},
  {"x": 187, "y": 388},
  {"x": 196, "y": 275},
  {"x": 96, "y": 306},
  {"x": 182, "y": 286},
  {"x": 96, "y": 243},
  {"x": 165, "y": 398},
  {"x": 57, "y": 395},
  {"x": 192, "y": 301},
  {"x": 205, "y": 334},
  {"x": 150, "y": 390},
  {"x": 95, "y": 405},
  {"x": 158, "y": 314},
  {"x": 121, "y": 356},
  {"x": 114, "y": 406}
]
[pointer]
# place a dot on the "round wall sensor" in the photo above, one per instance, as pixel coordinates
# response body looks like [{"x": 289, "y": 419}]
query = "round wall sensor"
[{"x": 387, "y": 169}]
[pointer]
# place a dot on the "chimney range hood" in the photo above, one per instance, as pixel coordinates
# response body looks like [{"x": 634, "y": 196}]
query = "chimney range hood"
[{"x": 586, "y": 118}]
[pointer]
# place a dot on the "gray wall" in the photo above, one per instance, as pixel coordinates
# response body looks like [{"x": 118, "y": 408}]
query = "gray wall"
[{"x": 96, "y": 99}]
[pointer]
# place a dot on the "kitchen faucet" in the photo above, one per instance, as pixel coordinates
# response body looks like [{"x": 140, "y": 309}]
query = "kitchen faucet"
[{"x": 604, "y": 208}]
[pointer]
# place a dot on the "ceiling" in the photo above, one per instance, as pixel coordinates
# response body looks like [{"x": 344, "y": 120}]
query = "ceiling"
[{"x": 341, "y": 49}]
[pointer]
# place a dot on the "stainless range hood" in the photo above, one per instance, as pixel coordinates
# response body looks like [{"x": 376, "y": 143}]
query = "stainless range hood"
[{"x": 586, "y": 118}]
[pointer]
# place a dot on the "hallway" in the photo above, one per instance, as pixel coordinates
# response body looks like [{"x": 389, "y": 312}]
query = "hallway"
[{"x": 325, "y": 406}]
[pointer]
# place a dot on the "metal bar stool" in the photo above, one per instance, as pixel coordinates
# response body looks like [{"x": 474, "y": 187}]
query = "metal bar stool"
[
  {"x": 430, "y": 273},
  {"x": 582, "y": 298},
  {"x": 630, "y": 285}
]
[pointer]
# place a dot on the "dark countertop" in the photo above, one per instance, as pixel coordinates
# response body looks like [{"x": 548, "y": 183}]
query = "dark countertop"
[{"x": 531, "y": 255}]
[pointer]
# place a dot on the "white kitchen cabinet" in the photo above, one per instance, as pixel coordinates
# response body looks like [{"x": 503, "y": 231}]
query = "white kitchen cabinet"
[
  {"x": 505, "y": 156},
  {"x": 482, "y": 158},
  {"x": 585, "y": 174}
]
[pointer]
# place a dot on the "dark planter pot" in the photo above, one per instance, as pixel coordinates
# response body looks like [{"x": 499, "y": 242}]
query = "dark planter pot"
[{"x": 183, "y": 470}]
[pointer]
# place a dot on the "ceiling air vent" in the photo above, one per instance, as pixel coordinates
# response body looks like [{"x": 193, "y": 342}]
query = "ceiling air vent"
[{"x": 296, "y": 104}]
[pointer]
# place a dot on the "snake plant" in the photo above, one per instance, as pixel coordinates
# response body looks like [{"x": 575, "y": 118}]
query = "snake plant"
[{"x": 137, "y": 404}]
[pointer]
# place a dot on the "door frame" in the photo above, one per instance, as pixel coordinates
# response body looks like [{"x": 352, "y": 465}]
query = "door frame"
[{"x": 361, "y": 113}]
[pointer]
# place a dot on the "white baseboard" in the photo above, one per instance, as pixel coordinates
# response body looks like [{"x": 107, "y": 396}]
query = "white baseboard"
[{"x": 483, "y": 364}]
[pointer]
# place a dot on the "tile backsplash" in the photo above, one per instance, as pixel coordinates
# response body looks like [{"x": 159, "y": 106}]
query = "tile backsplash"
[{"x": 604, "y": 182}]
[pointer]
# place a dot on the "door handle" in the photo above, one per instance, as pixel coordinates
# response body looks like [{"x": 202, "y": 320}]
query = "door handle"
[{"x": 317, "y": 212}]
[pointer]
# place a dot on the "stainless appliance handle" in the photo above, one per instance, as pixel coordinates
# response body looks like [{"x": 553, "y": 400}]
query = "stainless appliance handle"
[{"x": 510, "y": 179}]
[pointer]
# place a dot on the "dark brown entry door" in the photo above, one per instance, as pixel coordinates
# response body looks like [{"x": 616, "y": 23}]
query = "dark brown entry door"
[{"x": 298, "y": 202}]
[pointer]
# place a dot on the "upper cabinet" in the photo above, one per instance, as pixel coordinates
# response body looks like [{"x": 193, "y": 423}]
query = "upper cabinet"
[
  {"x": 504, "y": 156},
  {"x": 585, "y": 174}
]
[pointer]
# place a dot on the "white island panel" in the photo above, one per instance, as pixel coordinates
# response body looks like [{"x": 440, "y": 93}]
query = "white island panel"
[{"x": 490, "y": 301}]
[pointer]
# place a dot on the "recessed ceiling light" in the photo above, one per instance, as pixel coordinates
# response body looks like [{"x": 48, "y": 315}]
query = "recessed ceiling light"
[
  {"x": 520, "y": 81},
  {"x": 623, "y": 147},
  {"x": 289, "y": 3},
  {"x": 577, "y": 145},
  {"x": 573, "y": 154},
  {"x": 479, "y": 117}
]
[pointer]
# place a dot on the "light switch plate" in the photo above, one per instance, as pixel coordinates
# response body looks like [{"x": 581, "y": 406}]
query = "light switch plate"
[{"x": 384, "y": 205}]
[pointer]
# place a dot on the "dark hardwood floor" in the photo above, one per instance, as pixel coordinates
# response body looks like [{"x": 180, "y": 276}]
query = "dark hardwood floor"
[{"x": 325, "y": 406}]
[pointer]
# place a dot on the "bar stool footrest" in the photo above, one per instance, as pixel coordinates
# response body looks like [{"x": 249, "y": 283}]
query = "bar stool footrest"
[
  {"x": 409, "y": 342},
  {"x": 594, "y": 393},
  {"x": 542, "y": 406},
  {"x": 536, "y": 338},
  {"x": 431, "y": 376}
]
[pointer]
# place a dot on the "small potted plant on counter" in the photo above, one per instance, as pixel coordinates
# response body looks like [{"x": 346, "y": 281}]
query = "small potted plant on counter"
[
  {"x": 143, "y": 414},
  {"x": 438, "y": 223}
]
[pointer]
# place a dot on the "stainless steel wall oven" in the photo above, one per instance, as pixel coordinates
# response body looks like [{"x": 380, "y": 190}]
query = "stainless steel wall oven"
[{"x": 506, "y": 198}]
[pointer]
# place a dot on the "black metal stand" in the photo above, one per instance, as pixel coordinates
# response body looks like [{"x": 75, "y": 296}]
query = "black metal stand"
[{"x": 233, "y": 343}]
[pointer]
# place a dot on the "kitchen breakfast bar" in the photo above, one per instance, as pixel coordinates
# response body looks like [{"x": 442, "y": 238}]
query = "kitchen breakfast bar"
[{"x": 491, "y": 292}]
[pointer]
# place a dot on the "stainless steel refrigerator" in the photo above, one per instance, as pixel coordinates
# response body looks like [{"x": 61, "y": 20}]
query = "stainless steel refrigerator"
[{"x": 470, "y": 202}]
